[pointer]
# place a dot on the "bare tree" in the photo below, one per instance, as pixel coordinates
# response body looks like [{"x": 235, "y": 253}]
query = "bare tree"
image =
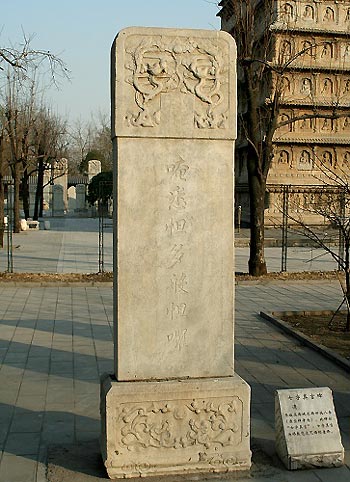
[
  {"x": 80, "y": 135},
  {"x": 17, "y": 120},
  {"x": 49, "y": 146},
  {"x": 264, "y": 65},
  {"x": 328, "y": 205},
  {"x": 2, "y": 190},
  {"x": 20, "y": 65},
  {"x": 23, "y": 58},
  {"x": 102, "y": 140},
  {"x": 91, "y": 140}
]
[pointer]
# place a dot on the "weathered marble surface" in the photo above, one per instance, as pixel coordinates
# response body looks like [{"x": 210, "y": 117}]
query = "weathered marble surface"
[
  {"x": 175, "y": 405},
  {"x": 174, "y": 121},
  {"x": 175, "y": 255},
  {"x": 174, "y": 83},
  {"x": 175, "y": 427}
]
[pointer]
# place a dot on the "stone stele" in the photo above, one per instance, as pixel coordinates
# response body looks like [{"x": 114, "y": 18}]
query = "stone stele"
[
  {"x": 307, "y": 432},
  {"x": 174, "y": 404}
]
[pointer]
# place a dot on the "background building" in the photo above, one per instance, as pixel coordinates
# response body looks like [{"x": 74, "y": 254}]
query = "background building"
[{"x": 311, "y": 46}]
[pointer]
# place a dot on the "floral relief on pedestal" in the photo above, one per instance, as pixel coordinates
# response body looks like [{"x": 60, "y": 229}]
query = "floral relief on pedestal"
[
  {"x": 207, "y": 424},
  {"x": 177, "y": 65}
]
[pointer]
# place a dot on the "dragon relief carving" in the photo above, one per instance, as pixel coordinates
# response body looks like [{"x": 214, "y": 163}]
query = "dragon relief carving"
[
  {"x": 158, "y": 67},
  {"x": 179, "y": 425}
]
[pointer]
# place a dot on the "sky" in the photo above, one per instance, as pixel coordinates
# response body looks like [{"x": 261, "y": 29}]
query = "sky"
[{"x": 81, "y": 33}]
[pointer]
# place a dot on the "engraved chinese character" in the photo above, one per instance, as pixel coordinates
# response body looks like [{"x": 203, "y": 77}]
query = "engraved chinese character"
[
  {"x": 319, "y": 395},
  {"x": 179, "y": 283},
  {"x": 178, "y": 338},
  {"x": 305, "y": 397},
  {"x": 178, "y": 169},
  {"x": 175, "y": 226},
  {"x": 175, "y": 256},
  {"x": 176, "y": 310},
  {"x": 177, "y": 200}
]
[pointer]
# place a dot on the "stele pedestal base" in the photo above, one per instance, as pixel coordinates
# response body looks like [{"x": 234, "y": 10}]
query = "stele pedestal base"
[{"x": 175, "y": 427}]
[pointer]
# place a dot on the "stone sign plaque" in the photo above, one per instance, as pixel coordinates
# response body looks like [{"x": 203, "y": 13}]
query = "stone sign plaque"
[{"x": 307, "y": 432}]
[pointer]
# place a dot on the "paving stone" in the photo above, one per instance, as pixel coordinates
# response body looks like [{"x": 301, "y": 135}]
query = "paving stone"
[
  {"x": 264, "y": 356},
  {"x": 17, "y": 469},
  {"x": 23, "y": 443},
  {"x": 24, "y": 422},
  {"x": 340, "y": 474}
]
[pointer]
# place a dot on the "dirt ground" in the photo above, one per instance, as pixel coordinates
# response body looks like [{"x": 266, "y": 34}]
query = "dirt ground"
[
  {"x": 290, "y": 276},
  {"x": 56, "y": 277},
  {"x": 323, "y": 331},
  {"x": 108, "y": 276}
]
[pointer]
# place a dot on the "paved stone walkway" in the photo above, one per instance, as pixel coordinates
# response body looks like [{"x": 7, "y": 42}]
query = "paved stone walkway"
[
  {"x": 56, "y": 341},
  {"x": 72, "y": 246}
]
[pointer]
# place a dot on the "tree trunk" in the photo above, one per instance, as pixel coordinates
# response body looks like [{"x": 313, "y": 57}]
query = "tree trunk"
[
  {"x": 347, "y": 281},
  {"x": 2, "y": 197},
  {"x": 16, "y": 201},
  {"x": 2, "y": 211},
  {"x": 257, "y": 263},
  {"x": 25, "y": 193},
  {"x": 39, "y": 191}
]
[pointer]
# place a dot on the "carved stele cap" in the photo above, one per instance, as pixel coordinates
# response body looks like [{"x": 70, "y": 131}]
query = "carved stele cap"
[{"x": 173, "y": 83}]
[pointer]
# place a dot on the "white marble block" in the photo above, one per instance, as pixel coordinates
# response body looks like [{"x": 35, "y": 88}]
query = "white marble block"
[
  {"x": 175, "y": 427},
  {"x": 174, "y": 271},
  {"x": 173, "y": 129},
  {"x": 307, "y": 432}
]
